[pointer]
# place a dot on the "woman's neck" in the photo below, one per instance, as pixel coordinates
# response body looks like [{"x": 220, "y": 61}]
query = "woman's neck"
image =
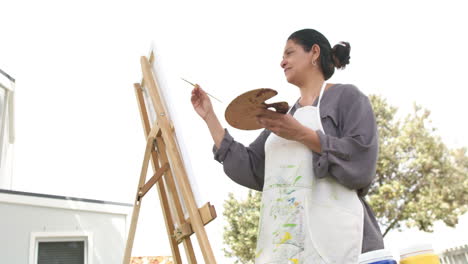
[{"x": 310, "y": 91}]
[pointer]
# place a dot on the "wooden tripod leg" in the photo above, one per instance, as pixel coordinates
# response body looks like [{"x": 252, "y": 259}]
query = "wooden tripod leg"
[
  {"x": 137, "y": 204},
  {"x": 179, "y": 215},
  {"x": 190, "y": 253},
  {"x": 169, "y": 223},
  {"x": 162, "y": 190},
  {"x": 163, "y": 198}
]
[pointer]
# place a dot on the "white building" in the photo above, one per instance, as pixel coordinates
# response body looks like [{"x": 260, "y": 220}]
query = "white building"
[
  {"x": 7, "y": 131},
  {"x": 41, "y": 228},
  {"x": 38, "y": 228}
]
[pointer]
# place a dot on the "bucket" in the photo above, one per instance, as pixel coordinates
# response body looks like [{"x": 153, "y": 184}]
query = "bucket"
[
  {"x": 381, "y": 256},
  {"x": 419, "y": 254}
]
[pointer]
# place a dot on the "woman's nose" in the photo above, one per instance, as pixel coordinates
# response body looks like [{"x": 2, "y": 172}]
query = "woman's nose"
[{"x": 283, "y": 63}]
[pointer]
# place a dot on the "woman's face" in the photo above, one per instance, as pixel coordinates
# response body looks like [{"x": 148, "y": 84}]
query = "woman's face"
[{"x": 296, "y": 63}]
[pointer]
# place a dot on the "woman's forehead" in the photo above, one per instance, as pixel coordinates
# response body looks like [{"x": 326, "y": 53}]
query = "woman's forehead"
[{"x": 290, "y": 44}]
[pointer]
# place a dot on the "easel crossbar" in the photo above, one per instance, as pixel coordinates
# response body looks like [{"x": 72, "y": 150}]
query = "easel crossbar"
[{"x": 153, "y": 180}]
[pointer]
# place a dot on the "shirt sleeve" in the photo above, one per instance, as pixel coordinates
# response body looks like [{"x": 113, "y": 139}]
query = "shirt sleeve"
[
  {"x": 350, "y": 157},
  {"x": 244, "y": 165}
]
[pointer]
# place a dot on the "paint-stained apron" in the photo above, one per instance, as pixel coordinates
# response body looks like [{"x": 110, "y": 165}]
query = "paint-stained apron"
[{"x": 305, "y": 220}]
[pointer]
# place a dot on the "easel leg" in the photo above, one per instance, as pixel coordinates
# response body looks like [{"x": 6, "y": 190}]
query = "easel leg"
[
  {"x": 137, "y": 203},
  {"x": 162, "y": 190},
  {"x": 168, "y": 177}
]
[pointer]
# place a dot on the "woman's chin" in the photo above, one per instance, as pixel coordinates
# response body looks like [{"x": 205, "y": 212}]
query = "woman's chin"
[{"x": 291, "y": 80}]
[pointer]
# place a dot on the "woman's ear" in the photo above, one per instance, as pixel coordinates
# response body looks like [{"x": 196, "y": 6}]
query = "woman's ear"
[{"x": 315, "y": 52}]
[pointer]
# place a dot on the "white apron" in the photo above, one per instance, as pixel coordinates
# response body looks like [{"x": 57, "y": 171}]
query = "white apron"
[{"x": 305, "y": 220}]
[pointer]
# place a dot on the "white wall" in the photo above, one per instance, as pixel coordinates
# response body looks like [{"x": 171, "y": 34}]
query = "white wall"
[
  {"x": 21, "y": 216},
  {"x": 6, "y": 148}
]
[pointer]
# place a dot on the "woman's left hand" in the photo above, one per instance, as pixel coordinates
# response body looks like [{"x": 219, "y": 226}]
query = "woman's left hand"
[{"x": 283, "y": 125}]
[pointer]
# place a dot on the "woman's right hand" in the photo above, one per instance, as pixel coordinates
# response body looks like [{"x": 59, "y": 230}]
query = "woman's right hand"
[
  {"x": 202, "y": 105},
  {"x": 201, "y": 102}
]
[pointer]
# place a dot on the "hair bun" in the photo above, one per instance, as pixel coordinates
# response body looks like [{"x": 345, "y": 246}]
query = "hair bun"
[{"x": 340, "y": 54}]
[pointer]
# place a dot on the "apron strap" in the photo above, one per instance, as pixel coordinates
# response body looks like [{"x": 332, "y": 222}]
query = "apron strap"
[
  {"x": 319, "y": 99},
  {"x": 319, "y": 118},
  {"x": 321, "y": 93}
]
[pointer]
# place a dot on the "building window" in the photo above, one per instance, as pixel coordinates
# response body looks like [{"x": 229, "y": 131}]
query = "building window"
[
  {"x": 70, "y": 252},
  {"x": 61, "y": 247}
]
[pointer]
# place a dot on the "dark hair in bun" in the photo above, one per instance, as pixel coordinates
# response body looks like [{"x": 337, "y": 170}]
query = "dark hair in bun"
[
  {"x": 340, "y": 53},
  {"x": 329, "y": 58}
]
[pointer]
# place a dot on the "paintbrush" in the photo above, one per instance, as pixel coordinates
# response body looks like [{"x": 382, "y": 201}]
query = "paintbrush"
[{"x": 205, "y": 92}]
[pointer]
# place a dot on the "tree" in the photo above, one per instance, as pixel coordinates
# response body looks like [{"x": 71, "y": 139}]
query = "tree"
[
  {"x": 418, "y": 181},
  {"x": 241, "y": 232}
]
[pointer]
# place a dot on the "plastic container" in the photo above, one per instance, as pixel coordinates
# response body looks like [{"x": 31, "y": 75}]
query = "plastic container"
[
  {"x": 419, "y": 254},
  {"x": 381, "y": 256}
]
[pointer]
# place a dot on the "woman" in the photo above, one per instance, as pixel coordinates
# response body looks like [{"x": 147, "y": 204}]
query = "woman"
[{"x": 314, "y": 164}]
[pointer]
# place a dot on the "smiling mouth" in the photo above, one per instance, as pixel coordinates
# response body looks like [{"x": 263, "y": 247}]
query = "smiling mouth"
[{"x": 286, "y": 69}]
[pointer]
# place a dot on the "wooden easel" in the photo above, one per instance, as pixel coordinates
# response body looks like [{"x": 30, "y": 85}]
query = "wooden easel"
[{"x": 161, "y": 148}]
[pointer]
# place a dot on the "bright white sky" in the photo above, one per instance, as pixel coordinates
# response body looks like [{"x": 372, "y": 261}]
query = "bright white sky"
[{"x": 78, "y": 128}]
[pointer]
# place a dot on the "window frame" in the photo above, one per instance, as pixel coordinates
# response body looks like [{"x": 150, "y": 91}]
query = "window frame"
[{"x": 79, "y": 236}]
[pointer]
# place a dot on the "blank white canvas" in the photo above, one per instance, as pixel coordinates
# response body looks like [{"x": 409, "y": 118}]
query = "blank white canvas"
[{"x": 170, "y": 87}]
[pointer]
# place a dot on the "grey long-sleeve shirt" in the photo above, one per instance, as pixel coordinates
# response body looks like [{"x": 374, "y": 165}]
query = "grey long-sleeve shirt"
[{"x": 349, "y": 151}]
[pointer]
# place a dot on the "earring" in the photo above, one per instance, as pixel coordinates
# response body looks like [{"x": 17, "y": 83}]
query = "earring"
[{"x": 314, "y": 63}]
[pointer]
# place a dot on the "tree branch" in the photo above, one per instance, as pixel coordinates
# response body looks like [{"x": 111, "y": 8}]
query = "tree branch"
[{"x": 390, "y": 227}]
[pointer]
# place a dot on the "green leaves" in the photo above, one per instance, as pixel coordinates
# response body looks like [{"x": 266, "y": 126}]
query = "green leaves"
[
  {"x": 240, "y": 233},
  {"x": 419, "y": 180}
]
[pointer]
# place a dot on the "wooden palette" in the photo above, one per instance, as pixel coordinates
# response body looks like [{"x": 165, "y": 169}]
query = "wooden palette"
[{"x": 242, "y": 111}]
